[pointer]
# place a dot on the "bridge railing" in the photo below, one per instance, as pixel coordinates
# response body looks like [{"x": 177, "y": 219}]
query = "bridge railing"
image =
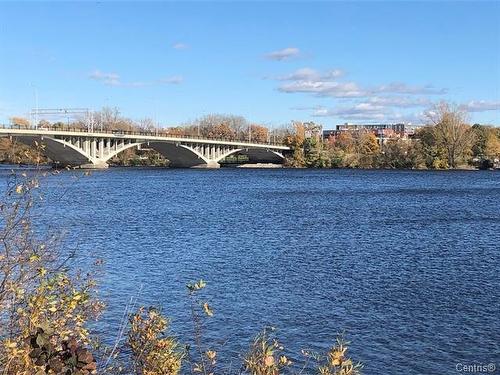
[{"x": 153, "y": 133}]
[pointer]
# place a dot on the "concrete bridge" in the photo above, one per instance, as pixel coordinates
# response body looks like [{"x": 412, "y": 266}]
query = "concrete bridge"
[{"x": 93, "y": 149}]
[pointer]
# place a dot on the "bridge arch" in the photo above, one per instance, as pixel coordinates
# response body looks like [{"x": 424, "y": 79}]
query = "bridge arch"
[
  {"x": 182, "y": 156},
  {"x": 60, "y": 152},
  {"x": 111, "y": 154},
  {"x": 256, "y": 155},
  {"x": 64, "y": 153}
]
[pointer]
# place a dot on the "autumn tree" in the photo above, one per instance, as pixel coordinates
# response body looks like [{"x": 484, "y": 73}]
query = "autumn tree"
[
  {"x": 258, "y": 133},
  {"x": 231, "y": 126},
  {"x": 295, "y": 135},
  {"x": 20, "y": 121},
  {"x": 400, "y": 154},
  {"x": 492, "y": 144},
  {"x": 345, "y": 142},
  {"x": 367, "y": 149},
  {"x": 177, "y": 131},
  {"x": 108, "y": 117},
  {"x": 220, "y": 131},
  {"x": 146, "y": 124},
  {"x": 451, "y": 132}
]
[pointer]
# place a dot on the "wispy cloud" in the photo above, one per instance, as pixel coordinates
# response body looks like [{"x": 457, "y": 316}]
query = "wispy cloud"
[
  {"x": 400, "y": 101},
  {"x": 283, "y": 54},
  {"x": 113, "y": 79},
  {"x": 180, "y": 46},
  {"x": 360, "y": 110},
  {"x": 403, "y": 88},
  {"x": 390, "y": 109},
  {"x": 324, "y": 88},
  {"x": 372, "y": 109},
  {"x": 370, "y": 114},
  {"x": 481, "y": 106},
  {"x": 328, "y": 84},
  {"x": 308, "y": 74},
  {"x": 174, "y": 80}
]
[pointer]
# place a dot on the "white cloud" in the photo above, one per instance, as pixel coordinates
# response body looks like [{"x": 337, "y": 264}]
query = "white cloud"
[
  {"x": 400, "y": 101},
  {"x": 308, "y": 74},
  {"x": 348, "y": 114},
  {"x": 403, "y": 88},
  {"x": 307, "y": 80},
  {"x": 180, "y": 46},
  {"x": 372, "y": 109},
  {"x": 113, "y": 79},
  {"x": 481, "y": 106},
  {"x": 324, "y": 88},
  {"x": 174, "y": 80},
  {"x": 283, "y": 54},
  {"x": 370, "y": 114},
  {"x": 360, "y": 110}
]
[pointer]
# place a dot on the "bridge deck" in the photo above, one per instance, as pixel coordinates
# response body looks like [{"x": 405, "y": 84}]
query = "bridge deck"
[{"x": 139, "y": 136}]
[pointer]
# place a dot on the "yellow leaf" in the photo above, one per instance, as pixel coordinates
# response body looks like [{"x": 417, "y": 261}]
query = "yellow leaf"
[
  {"x": 269, "y": 361},
  {"x": 10, "y": 344},
  {"x": 211, "y": 354},
  {"x": 207, "y": 309},
  {"x": 19, "y": 189},
  {"x": 284, "y": 360}
]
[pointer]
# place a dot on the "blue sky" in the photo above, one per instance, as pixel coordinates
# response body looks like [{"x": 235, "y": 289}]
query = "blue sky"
[{"x": 272, "y": 62}]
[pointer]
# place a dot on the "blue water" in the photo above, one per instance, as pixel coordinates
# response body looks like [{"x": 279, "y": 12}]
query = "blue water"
[{"x": 406, "y": 263}]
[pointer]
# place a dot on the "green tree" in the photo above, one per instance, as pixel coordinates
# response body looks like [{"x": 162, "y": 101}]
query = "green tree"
[
  {"x": 400, "y": 154},
  {"x": 433, "y": 155}
]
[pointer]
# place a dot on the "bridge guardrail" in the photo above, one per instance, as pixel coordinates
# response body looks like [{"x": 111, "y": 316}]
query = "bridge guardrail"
[{"x": 134, "y": 132}]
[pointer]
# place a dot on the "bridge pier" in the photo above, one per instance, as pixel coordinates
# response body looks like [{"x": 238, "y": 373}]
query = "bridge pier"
[
  {"x": 210, "y": 165},
  {"x": 93, "y": 166}
]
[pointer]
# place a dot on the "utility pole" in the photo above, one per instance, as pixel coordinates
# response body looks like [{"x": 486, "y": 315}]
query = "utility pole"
[
  {"x": 35, "y": 117},
  {"x": 36, "y": 108}
]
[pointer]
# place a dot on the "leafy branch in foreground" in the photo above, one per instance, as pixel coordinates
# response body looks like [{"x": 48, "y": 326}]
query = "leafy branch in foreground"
[
  {"x": 265, "y": 356},
  {"x": 44, "y": 307},
  {"x": 153, "y": 352}
]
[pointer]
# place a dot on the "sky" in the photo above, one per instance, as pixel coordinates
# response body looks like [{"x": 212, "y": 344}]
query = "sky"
[{"x": 271, "y": 62}]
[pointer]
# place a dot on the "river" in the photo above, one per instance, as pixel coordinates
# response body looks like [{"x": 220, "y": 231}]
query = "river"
[{"x": 406, "y": 263}]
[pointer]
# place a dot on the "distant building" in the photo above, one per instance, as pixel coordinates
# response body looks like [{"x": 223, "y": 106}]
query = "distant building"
[
  {"x": 310, "y": 129},
  {"x": 383, "y": 132}
]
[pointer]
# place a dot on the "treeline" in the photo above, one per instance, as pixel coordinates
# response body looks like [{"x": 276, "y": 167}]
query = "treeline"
[
  {"x": 447, "y": 142},
  {"x": 219, "y": 126}
]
